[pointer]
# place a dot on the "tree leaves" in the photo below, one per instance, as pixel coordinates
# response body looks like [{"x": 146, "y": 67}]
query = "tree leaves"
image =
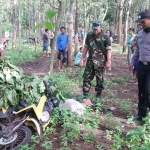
[
  {"x": 15, "y": 86},
  {"x": 50, "y": 14},
  {"x": 49, "y": 25}
]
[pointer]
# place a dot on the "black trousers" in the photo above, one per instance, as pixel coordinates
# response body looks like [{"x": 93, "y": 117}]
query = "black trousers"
[{"x": 144, "y": 88}]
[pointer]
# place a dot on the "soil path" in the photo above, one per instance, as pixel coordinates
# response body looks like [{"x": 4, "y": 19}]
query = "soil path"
[{"x": 39, "y": 66}]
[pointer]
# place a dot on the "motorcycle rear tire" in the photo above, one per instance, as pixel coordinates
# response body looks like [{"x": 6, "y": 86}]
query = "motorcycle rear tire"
[{"x": 22, "y": 140}]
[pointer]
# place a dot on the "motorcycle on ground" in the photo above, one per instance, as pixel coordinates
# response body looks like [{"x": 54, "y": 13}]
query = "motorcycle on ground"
[{"x": 15, "y": 123}]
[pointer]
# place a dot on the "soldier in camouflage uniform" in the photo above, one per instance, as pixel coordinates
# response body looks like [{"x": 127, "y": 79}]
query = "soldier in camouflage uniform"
[{"x": 96, "y": 62}]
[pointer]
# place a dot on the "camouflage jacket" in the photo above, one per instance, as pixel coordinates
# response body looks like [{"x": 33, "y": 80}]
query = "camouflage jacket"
[{"x": 93, "y": 50}]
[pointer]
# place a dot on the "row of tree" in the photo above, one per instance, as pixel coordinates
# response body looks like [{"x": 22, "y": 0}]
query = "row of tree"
[{"x": 20, "y": 18}]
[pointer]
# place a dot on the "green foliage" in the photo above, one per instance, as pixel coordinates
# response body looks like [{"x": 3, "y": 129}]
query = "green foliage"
[
  {"x": 125, "y": 106},
  {"x": 74, "y": 126},
  {"x": 109, "y": 82},
  {"x": 68, "y": 86},
  {"x": 47, "y": 145},
  {"x": 138, "y": 139},
  {"x": 48, "y": 25},
  {"x": 27, "y": 147},
  {"x": 27, "y": 55},
  {"x": 15, "y": 86},
  {"x": 120, "y": 80},
  {"x": 35, "y": 139}
]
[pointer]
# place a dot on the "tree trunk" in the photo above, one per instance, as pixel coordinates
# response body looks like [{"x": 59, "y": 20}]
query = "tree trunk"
[
  {"x": 20, "y": 28},
  {"x": 120, "y": 21},
  {"x": 70, "y": 33},
  {"x": 76, "y": 28},
  {"x": 85, "y": 25},
  {"x": 126, "y": 26},
  {"x": 106, "y": 9},
  {"x": 147, "y": 4},
  {"x": 14, "y": 25},
  {"x": 59, "y": 17}
]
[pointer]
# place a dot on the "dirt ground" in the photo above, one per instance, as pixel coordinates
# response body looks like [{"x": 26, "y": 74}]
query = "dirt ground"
[{"x": 40, "y": 66}]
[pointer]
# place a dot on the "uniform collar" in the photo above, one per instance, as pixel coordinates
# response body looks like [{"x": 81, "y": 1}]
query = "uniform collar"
[{"x": 147, "y": 30}]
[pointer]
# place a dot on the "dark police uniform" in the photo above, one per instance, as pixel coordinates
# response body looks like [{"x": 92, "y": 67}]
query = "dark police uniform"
[{"x": 142, "y": 52}]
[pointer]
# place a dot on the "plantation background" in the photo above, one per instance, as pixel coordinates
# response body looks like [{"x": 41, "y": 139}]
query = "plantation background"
[{"x": 110, "y": 126}]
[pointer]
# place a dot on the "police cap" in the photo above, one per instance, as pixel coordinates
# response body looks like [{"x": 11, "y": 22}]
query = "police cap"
[{"x": 145, "y": 14}]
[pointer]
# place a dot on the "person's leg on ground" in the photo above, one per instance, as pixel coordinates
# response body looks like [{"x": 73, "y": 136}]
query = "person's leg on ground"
[
  {"x": 147, "y": 87},
  {"x": 47, "y": 54},
  {"x": 59, "y": 59},
  {"x": 99, "y": 81},
  {"x": 44, "y": 49},
  {"x": 129, "y": 56},
  {"x": 64, "y": 53},
  {"x": 142, "y": 104},
  {"x": 87, "y": 78}
]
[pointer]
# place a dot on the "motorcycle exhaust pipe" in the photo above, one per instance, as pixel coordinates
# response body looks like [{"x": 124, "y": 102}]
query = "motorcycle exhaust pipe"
[{"x": 15, "y": 128}]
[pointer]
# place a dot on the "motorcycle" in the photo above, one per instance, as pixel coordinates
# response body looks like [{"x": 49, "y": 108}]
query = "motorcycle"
[
  {"x": 31, "y": 40},
  {"x": 15, "y": 122}
]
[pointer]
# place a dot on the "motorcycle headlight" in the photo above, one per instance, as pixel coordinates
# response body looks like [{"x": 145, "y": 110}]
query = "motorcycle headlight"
[{"x": 45, "y": 116}]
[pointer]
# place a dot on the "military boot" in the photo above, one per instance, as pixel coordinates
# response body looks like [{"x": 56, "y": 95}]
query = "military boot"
[{"x": 98, "y": 96}]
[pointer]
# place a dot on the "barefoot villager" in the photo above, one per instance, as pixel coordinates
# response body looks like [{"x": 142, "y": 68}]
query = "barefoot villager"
[
  {"x": 45, "y": 43},
  {"x": 61, "y": 47},
  {"x": 142, "y": 52},
  {"x": 99, "y": 48}
]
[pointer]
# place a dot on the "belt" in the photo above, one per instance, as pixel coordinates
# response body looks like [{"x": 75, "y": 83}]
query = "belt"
[{"x": 145, "y": 63}]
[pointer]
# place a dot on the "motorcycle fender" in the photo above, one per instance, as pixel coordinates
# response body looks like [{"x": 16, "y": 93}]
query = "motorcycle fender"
[
  {"x": 38, "y": 110},
  {"x": 38, "y": 127},
  {"x": 44, "y": 126}
]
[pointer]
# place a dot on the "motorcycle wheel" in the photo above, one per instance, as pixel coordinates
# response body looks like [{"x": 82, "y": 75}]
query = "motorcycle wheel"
[{"x": 23, "y": 137}]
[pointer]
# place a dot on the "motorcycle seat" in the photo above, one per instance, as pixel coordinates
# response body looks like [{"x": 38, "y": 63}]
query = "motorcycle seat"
[
  {"x": 8, "y": 112},
  {"x": 21, "y": 105}
]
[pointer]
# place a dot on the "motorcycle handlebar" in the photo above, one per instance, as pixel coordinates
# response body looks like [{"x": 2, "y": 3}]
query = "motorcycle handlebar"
[
  {"x": 48, "y": 90},
  {"x": 45, "y": 84}
]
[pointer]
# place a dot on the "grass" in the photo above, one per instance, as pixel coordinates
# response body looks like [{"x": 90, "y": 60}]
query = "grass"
[{"x": 28, "y": 52}]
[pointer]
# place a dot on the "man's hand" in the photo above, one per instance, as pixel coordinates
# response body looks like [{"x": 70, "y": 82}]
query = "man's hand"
[
  {"x": 130, "y": 67},
  {"x": 81, "y": 62},
  {"x": 108, "y": 65}
]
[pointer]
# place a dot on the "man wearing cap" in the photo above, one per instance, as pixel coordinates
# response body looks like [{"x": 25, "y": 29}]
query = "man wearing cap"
[
  {"x": 96, "y": 44},
  {"x": 142, "y": 52}
]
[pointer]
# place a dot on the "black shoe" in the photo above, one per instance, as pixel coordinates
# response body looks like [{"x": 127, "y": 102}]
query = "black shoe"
[{"x": 137, "y": 118}]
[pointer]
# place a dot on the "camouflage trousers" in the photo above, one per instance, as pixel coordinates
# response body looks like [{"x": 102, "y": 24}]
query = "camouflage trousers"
[{"x": 93, "y": 68}]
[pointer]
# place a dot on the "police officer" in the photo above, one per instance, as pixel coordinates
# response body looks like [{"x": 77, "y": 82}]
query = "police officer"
[
  {"x": 142, "y": 52},
  {"x": 97, "y": 45}
]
